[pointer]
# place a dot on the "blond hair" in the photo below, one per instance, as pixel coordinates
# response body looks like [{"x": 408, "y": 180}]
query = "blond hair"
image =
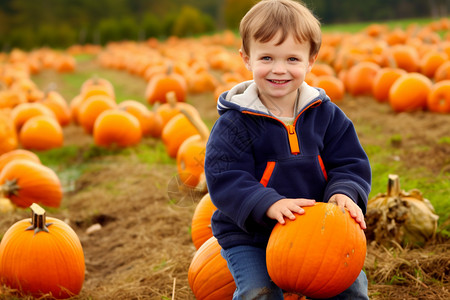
[{"x": 268, "y": 17}]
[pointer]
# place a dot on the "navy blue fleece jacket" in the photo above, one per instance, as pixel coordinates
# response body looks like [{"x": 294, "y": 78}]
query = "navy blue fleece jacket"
[{"x": 253, "y": 160}]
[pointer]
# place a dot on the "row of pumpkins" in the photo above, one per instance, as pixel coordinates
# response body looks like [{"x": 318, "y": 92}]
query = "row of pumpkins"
[{"x": 407, "y": 68}]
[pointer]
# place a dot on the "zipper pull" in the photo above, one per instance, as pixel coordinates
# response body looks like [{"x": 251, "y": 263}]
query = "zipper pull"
[{"x": 293, "y": 140}]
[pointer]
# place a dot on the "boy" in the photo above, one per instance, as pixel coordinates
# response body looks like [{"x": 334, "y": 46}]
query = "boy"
[{"x": 279, "y": 145}]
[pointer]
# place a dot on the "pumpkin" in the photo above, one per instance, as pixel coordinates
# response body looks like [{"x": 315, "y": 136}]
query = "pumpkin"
[
  {"x": 10, "y": 98},
  {"x": 409, "y": 92},
  {"x": 406, "y": 218},
  {"x": 319, "y": 254},
  {"x": 333, "y": 86},
  {"x": 25, "y": 182},
  {"x": 8, "y": 134},
  {"x": 42, "y": 255},
  {"x": 439, "y": 97},
  {"x": 97, "y": 86},
  {"x": 208, "y": 274},
  {"x": 17, "y": 154},
  {"x": 431, "y": 61},
  {"x": 383, "y": 81},
  {"x": 117, "y": 127},
  {"x": 23, "y": 112},
  {"x": 141, "y": 112},
  {"x": 91, "y": 108},
  {"x": 59, "y": 106},
  {"x": 201, "y": 221},
  {"x": 172, "y": 107},
  {"x": 176, "y": 131},
  {"x": 191, "y": 153},
  {"x": 442, "y": 72},
  {"x": 404, "y": 57},
  {"x": 160, "y": 84},
  {"x": 41, "y": 133},
  {"x": 320, "y": 69},
  {"x": 360, "y": 78}
]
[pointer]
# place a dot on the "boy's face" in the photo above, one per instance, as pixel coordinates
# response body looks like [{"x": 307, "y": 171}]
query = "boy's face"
[{"x": 278, "y": 70}]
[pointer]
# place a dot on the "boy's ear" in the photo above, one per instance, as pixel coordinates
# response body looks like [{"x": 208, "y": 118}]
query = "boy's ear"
[
  {"x": 246, "y": 59},
  {"x": 312, "y": 60}
]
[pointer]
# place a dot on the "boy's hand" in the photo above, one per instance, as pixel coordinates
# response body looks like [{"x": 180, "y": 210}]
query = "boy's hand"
[
  {"x": 287, "y": 207},
  {"x": 343, "y": 201}
]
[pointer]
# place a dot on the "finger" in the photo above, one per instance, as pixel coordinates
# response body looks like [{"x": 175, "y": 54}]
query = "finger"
[
  {"x": 288, "y": 213},
  {"x": 306, "y": 202}
]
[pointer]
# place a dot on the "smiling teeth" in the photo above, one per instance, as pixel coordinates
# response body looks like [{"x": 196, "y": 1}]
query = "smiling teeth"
[{"x": 279, "y": 81}]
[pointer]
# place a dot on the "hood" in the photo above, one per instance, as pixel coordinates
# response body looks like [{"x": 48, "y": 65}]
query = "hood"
[{"x": 244, "y": 97}]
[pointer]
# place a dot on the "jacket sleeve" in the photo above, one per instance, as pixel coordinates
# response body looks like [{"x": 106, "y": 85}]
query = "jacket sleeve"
[
  {"x": 230, "y": 173},
  {"x": 347, "y": 164}
]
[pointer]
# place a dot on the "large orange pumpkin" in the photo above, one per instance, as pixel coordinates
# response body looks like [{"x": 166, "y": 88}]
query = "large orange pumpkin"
[
  {"x": 41, "y": 133},
  {"x": 141, "y": 112},
  {"x": 42, "y": 256},
  {"x": 91, "y": 108},
  {"x": 319, "y": 254},
  {"x": 201, "y": 221},
  {"x": 383, "y": 81},
  {"x": 26, "y": 182},
  {"x": 117, "y": 127},
  {"x": 360, "y": 78},
  {"x": 410, "y": 92},
  {"x": 208, "y": 274},
  {"x": 22, "y": 112}
]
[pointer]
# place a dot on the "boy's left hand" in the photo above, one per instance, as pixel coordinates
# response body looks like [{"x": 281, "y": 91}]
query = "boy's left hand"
[{"x": 343, "y": 201}]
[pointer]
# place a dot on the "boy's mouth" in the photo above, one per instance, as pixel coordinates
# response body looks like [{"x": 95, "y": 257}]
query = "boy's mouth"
[{"x": 278, "y": 81}]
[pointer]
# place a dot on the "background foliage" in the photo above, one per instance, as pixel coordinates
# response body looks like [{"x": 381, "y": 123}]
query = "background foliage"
[{"x": 60, "y": 23}]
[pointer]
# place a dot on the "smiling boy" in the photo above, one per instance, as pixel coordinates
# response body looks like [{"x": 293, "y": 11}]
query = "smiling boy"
[{"x": 279, "y": 145}]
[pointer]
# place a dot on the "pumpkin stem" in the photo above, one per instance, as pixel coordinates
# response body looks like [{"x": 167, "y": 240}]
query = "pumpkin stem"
[
  {"x": 393, "y": 189},
  {"x": 171, "y": 98},
  {"x": 38, "y": 219},
  {"x": 10, "y": 187},
  {"x": 198, "y": 124}
]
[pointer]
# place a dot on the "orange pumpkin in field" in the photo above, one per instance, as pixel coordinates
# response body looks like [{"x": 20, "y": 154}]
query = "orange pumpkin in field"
[
  {"x": 431, "y": 61},
  {"x": 442, "y": 72},
  {"x": 58, "y": 105},
  {"x": 141, "y": 112},
  {"x": 22, "y": 112},
  {"x": 333, "y": 86},
  {"x": 91, "y": 108},
  {"x": 383, "y": 81},
  {"x": 41, "y": 133},
  {"x": 439, "y": 97},
  {"x": 26, "y": 182},
  {"x": 172, "y": 107},
  {"x": 97, "y": 86},
  {"x": 42, "y": 256},
  {"x": 410, "y": 92},
  {"x": 117, "y": 127},
  {"x": 328, "y": 268},
  {"x": 360, "y": 78},
  {"x": 160, "y": 84}
]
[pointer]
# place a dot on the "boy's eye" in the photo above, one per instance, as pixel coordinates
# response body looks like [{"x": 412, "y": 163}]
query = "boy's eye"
[
  {"x": 265, "y": 58},
  {"x": 292, "y": 59}
]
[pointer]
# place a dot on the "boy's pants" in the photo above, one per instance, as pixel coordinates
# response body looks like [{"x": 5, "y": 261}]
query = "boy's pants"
[{"x": 247, "y": 264}]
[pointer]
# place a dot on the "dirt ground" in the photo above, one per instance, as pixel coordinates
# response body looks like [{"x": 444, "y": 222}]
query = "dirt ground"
[{"x": 144, "y": 248}]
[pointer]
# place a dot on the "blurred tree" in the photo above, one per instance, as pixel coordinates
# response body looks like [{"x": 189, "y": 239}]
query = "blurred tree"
[
  {"x": 109, "y": 30},
  {"x": 191, "y": 21},
  {"x": 151, "y": 26},
  {"x": 234, "y": 10}
]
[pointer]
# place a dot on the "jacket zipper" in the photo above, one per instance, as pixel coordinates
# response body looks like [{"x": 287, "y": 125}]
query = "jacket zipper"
[{"x": 292, "y": 134}]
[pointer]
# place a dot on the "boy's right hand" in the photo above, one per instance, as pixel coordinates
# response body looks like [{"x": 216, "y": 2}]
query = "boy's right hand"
[{"x": 287, "y": 207}]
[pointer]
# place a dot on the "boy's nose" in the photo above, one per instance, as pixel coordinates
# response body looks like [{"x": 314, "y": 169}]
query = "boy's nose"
[{"x": 278, "y": 67}]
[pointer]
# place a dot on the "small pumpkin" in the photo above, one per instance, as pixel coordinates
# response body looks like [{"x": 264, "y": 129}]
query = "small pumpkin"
[
  {"x": 117, "y": 127},
  {"x": 172, "y": 107},
  {"x": 97, "y": 86},
  {"x": 59, "y": 106},
  {"x": 201, "y": 221},
  {"x": 431, "y": 61},
  {"x": 208, "y": 274},
  {"x": 91, "y": 108},
  {"x": 439, "y": 97},
  {"x": 191, "y": 153},
  {"x": 442, "y": 72},
  {"x": 160, "y": 84},
  {"x": 41, "y": 133},
  {"x": 333, "y": 86},
  {"x": 360, "y": 78},
  {"x": 42, "y": 255},
  {"x": 23, "y": 112},
  {"x": 176, "y": 131},
  {"x": 141, "y": 112},
  {"x": 326, "y": 269},
  {"x": 410, "y": 92},
  {"x": 25, "y": 182},
  {"x": 383, "y": 81}
]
